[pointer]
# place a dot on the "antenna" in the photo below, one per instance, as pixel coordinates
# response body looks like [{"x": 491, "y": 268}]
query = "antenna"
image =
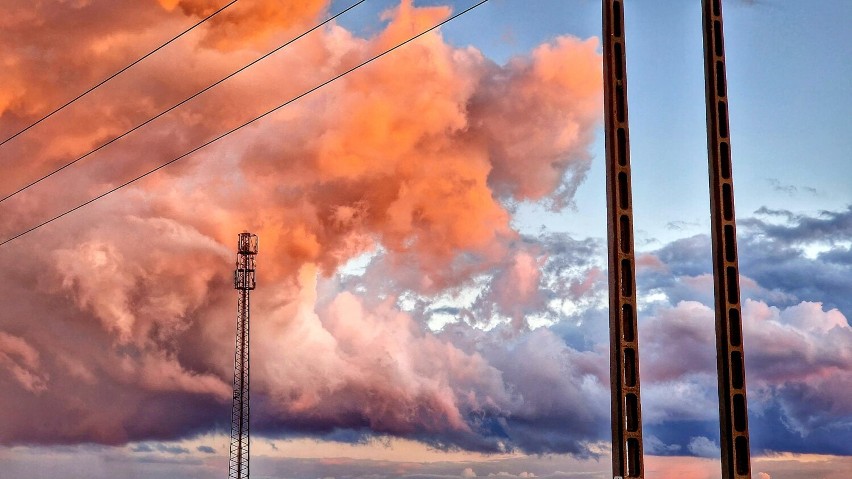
[{"x": 244, "y": 281}]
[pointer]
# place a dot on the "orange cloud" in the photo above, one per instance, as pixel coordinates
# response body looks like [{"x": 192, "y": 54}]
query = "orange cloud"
[
  {"x": 415, "y": 155},
  {"x": 249, "y": 24}
]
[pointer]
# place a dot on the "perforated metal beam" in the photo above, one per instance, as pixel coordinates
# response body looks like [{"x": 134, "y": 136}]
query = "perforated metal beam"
[
  {"x": 733, "y": 411},
  {"x": 627, "y": 458}
]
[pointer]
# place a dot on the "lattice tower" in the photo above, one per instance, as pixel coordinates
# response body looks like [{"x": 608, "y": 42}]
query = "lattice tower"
[{"x": 244, "y": 282}]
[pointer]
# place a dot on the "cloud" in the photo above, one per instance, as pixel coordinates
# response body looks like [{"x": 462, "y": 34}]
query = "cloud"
[
  {"x": 118, "y": 321},
  {"x": 797, "y": 258},
  {"x": 794, "y": 318},
  {"x": 498, "y": 118},
  {"x": 703, "y": 447},
  {"x": 249, "y": 25},
  {"x": 795, "y": 360},
  {"x": 374, "y": 371},
  {"x": 160, "y": 447},
  {"x": 352, "y": 356},
  {"x": 804, "y": 362},
  {"x": 377, "y": 370},
  {"x": 22, "y": 360},
  {"x": 776, "y": 185},
  {"x": 828, "y": 226},
  {"x": 78, "y": 462},
  {"x": 654, "y": 446},
  {"x": 412, "y": 156}
]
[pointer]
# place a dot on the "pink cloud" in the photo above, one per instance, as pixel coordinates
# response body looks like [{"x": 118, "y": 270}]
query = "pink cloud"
[
  {"x": 130, "y": 298},
  {"x": 796, "y": 357}
]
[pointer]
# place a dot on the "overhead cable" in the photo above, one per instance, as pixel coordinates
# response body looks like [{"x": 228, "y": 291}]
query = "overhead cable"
[
  {"x": 223, "y": 135},
  {"x": 143, "y": 57},
  {"x": 176, "y": 105}
]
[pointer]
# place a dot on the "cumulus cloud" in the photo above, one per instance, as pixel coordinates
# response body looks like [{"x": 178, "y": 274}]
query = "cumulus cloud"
[
  {"x": 794, "y": 316},
  {"x": 22, "y": 360},
  {"x": 413, "y": 156},
  {"x": 249, "y": 25},
  {"x": 116, "y": 319},
  {"x": 376, "y": 371},
  {"x": 703, "y": 447},
  {"x": 797, "y": 371}
]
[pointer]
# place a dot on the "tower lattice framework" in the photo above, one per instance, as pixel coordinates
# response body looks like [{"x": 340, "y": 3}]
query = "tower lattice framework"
[{"x": 244, "y": 282}]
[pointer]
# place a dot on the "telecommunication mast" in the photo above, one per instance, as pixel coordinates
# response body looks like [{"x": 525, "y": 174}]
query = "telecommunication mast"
[{"x": 244, "y": 282}]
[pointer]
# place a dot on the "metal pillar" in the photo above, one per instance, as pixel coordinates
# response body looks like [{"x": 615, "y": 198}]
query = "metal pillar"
[
  {"x": 244, "y": 281},
  {"x": 624, "y": 346},
  {"x": 733, "y": 413}
]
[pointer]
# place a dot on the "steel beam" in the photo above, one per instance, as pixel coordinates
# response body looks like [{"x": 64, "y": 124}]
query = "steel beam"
[
  {"x": 733, "y": 411},
  {"x": 627, "y": 458}
]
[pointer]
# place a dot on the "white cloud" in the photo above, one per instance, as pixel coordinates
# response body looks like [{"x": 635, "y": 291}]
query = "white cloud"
[
  {"x": 654, "y": 445},
  {"x": 703, "y": 447}
]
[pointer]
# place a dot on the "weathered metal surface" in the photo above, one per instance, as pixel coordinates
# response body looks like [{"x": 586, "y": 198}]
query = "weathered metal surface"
[
  {"x": 627, "y": 460},
  {"x": 733, "y": 412}
]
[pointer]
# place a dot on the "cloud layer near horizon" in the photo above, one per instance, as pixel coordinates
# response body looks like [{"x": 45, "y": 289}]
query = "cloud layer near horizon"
[{"x": 119, "y": 326}]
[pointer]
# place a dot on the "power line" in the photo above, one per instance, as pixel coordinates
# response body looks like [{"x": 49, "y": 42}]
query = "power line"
[
  {"x": 223, "y": 135},
  {"x": 81, "y": 95},
  {"x": 176, "y": 105}
]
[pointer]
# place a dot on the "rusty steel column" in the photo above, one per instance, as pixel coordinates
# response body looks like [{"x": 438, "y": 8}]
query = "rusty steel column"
[
  {"x": 733, "y": 412},
  {"x": 624, "y": 352}
]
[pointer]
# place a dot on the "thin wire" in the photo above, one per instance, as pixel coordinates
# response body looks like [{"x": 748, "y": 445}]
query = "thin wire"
[
  {"x": 223, "y": 135},
  {"x": 81, "y": 95},
  {"x": 196, "y": 94}
]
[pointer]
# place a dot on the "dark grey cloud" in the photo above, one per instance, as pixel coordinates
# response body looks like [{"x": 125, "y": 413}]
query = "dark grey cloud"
[
  {"x": 775, "y": 256},
  {"x": 147, "y": 447},
  {"x": 776, "y": 184},
  {"x": 827, "y": 226},
  {"x": 206, "y": 449},
  {"x": 681, "y": 225},
  {"x": 686, "y": 257}
]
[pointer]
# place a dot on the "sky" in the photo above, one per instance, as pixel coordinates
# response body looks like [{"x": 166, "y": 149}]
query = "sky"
[{"x": 432, "y": 289}]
